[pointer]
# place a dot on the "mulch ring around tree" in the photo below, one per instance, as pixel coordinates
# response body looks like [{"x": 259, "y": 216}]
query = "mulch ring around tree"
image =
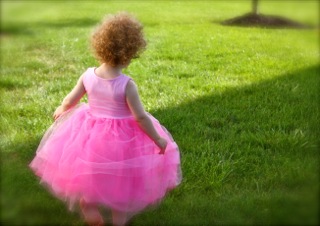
[{"x": 261, "y": 20}]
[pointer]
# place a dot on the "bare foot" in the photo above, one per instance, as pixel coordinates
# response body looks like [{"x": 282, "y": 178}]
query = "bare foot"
[{"x": 91, "y": 214}]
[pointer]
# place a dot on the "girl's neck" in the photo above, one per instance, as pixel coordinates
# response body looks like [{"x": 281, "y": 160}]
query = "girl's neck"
[{"x": 108, "y": 72}]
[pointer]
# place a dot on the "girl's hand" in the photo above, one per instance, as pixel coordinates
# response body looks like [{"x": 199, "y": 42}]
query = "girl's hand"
[
  {"x": 162, "y": 144},
  {"x": 71, "y": 99},
  {"x": 58, "y": 112}
]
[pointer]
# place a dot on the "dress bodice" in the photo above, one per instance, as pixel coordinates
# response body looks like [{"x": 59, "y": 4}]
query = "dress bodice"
[{"x": 106, "y": 97}]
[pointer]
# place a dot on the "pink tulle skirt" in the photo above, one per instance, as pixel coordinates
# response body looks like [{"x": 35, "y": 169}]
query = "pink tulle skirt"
[{"x": 106, "y": 161}]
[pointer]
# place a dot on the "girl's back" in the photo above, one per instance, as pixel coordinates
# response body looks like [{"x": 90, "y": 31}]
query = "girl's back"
[{"x": 106, "y": 97}]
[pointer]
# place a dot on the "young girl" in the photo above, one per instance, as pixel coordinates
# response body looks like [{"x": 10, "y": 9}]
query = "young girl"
[{"x": 109, "y": 152}]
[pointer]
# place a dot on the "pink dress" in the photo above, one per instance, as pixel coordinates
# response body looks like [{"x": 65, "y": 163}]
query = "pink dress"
[{"x": 98, "y": 152}]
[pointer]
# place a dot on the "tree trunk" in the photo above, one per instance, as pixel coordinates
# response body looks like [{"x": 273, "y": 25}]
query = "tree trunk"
[{"x": 255, "y": 7}]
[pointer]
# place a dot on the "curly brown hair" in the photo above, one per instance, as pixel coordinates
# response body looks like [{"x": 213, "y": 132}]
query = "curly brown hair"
[{"x": 118, "y": 39}]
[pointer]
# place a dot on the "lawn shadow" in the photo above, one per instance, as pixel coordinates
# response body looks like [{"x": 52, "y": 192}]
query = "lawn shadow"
[
  {"x": 252, "y": 126},
  {"x": 240, "y": 105},
  {"x": 74, "y": 22},
  {"x": 257, "y": 135},
  {"x": 28, "y": 28},
  {"x": 24, "y": 200}
]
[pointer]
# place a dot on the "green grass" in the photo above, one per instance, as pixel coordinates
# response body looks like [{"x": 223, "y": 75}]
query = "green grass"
[{"x": 242, "y": 103}]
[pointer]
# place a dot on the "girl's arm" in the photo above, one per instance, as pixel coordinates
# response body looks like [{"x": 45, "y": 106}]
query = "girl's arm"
[
  {"x": 141, "y": 116},
  {"x": 71, "y": 99}
]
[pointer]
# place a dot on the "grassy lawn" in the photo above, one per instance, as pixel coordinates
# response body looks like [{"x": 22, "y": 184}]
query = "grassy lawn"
[{"x": 242, "y": 104}]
